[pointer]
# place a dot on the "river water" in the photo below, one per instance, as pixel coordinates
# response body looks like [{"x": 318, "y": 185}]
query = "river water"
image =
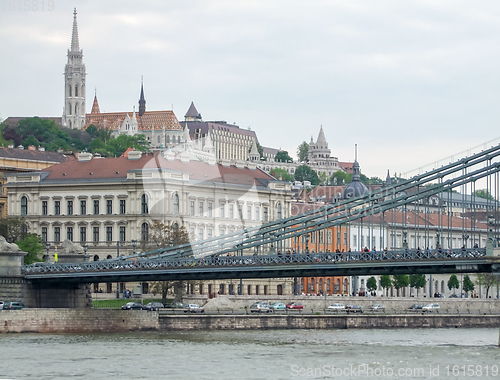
[{"x": 275, "y": 354}]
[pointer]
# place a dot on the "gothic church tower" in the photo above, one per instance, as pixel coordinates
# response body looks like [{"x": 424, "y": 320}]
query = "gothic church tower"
[{"x": 74, "y": 84}]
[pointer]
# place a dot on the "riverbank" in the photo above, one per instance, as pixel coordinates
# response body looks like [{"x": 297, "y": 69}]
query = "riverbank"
[{"x": 102, "y": 320}]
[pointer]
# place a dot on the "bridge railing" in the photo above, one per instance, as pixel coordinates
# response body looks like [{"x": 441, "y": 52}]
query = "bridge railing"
[{"x": 257, "y": 260}]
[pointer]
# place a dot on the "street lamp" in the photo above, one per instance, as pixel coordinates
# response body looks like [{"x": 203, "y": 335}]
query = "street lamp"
[
  {"x": 307, "y": 243},
  {"x": 134, "y": 244},
  {"x": 47, "y": 257},
  {"x": 85, "y": 257},
  {"x": 117, "y": 283}
]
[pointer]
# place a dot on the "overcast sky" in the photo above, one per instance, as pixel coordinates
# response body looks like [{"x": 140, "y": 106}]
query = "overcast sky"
[{"x": 410, "y": 82}]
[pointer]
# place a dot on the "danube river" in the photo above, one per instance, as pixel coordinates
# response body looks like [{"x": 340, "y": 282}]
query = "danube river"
[{"x": 276, "y": 354}]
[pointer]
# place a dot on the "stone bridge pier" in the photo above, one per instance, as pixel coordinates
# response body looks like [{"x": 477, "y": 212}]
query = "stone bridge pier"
[{"x": 15, "y": 287}]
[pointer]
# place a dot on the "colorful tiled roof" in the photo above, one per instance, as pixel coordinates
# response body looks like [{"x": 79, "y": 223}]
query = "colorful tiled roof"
[{"x": 156, "y": 120}]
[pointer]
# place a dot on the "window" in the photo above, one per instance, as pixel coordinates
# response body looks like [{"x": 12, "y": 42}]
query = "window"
[
  {"x": 109, "y": 206},
  {"x": 278, "y": 211},
  {"x": 70, "y": 207},
  {"x": 95, "y": 234},
  {"x": 144, "y": 204},
  {"x": 191, "y": 208},
  {"x": 355, "y": 241},
  {"x": 96, "y": 207},
  {"x": 176, "y": 204},
  {"x": 221, "y": 210},
  {"x": 257, "y": 213},
  {"x": 57, "y": 207},
  {"x": 240, "y": 212},
  {"x": 266, "y": 214},
  {"x": 69, "y": 233},
  {"x": 231, "y": 211},
  {"x": 329, "y": 237},
  {"x": 200, "y": 208},
  {"x": 209, "y": 209},
  {"x": 44, "y": 207},
  {"x": 200, "y": 233},
  {"x": 249, "y": 212},
  {"x": 209, "y": 233},
  {"x": 122, "y": 233},
  {"x": 83, "y": 234},
  {"x": 122, "y": 206},
  {"x": 57, "y": 234},
  {"x": 109, "y": 233},
  {"x": 144, "y": 231},
  {"x": 44, "y": 234},
  {"x": 83, "y": 207}
]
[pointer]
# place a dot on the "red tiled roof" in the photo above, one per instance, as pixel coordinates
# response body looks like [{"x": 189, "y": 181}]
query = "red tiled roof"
[
  {"x": 112, "y": 168},
  {"x": 146, "y": 122}
]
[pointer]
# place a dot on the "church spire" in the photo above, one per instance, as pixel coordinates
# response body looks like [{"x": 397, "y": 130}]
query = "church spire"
[
  {"x": 95, "y": 106},
  {"x": 75, "y": 44},
  {"x": 142, "y": 101}
]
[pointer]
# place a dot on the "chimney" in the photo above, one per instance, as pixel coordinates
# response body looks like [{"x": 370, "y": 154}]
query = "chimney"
[
  {"x": 134, "y": 155},
  {"x": 84, "y": 156}
]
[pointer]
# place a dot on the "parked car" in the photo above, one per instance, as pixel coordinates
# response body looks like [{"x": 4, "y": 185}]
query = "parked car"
[
  {"x": 457, "y": 296},
  {"x": 260, "y": 307},
  {"x": 176, "y": 305},
  {"x": 353, "y": 309},
  {"x": 1, "y": 305},
  {"x": 295, "y": 306},
  {"x": 377, "y": 307},
  {"x": 194, "y": 308},
  {"x": 277, "y": 306},
  {"x": 336, "y": 306},
  {"x": 153, "y": 306},
  {"x": 431, "y": 307},
  {"x": 14, "y": 306},
  {"x": 416, "y": 306},
  {"x": 132, "y": 306}
]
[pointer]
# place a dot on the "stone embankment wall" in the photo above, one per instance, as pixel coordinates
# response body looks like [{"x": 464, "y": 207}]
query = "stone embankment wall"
[
  {"x": 76, "y": 320},
  {"x": 105, "y": 320},
  {"x": 316, "y": 303}
]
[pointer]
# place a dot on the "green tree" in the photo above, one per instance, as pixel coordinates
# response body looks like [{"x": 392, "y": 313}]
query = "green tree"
[
  {"x": 305, "y": 173},
  {"x": 340, "y": 178},
  {"x": 485, "y": 194},
  {"x": 164, "y": 235},
  {"x": 487, "y": 280},
  {"x": 386, "y": 282},
  {"x": 371, "y": 284},
  {"x": 453, "y": 282},
  {"x": 283, "y": 174},
  {"x": 30, "y": 141},
  {"x": 400, "y": 281},
  {"x": 32, "y": 244},
  {"x": 417, "y": 281},
  {"x": 13, "y": 229},
  {"x": 468, "y": 285},
  {"x": 93, "y": 131},
  {"x": 375, "y": 181},
  {"x": 282, "y": 156},
  {"x": 302, "y": 151}
]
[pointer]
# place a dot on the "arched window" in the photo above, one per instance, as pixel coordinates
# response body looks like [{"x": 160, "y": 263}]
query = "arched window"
[
  {"x": 176, "y": 204},
  {"x": 96, "y": 258},
  {"x": 24, "y": 206},
  {"x": 70, "y": 90},
  {"x": 278, "y": 211},
  {"x": 178, "y": 139},
  {"x": 144, "y": 231},
  {"x": 144, "y": 204},
  {"x": 168, "y": 139},
  {"x": 76, "y": 90},
  {"x": 175, "y": 227},
  {"x": 108, "y": 257},
  {"x": 76, "y": 109},
  {"x": 69, "y": 108}
]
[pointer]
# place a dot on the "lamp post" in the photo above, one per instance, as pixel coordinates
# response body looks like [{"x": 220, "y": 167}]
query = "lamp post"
[
  {"x": 85, "y": 257},
  {"x": 405, "y": 240},
  {"x": 117, "y": 283},
  {"x": 134, "y": 244},
  {"x": 47, "y": 257},
  {"x": 307, "y": 243}
]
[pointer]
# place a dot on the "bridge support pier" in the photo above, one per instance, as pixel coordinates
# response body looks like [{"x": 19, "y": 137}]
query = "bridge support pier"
[{"x": 54, "y": 295}]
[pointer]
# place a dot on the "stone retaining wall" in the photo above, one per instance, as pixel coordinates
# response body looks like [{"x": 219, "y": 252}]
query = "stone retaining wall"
[{"x": 106, "y": 320}]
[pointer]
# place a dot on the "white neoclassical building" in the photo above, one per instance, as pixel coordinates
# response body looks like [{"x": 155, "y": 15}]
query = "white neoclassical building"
[{"x": 105, "y": 203}]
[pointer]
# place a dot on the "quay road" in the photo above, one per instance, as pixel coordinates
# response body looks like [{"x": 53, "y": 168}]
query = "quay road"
[{"x": 268, "y": 266}]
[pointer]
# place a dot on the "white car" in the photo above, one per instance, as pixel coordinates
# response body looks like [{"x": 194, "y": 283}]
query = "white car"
[
  {"x": 431, "y": 307},
  {"x": 194, "y": 308},
  {"x": 336, "y": 306}
]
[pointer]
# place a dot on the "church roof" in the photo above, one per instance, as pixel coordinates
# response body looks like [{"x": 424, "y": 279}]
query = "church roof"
[
  {"x": 321, "y": 139},
  {"x": 75, "y": 44},
  {"x": 148, "y": 121},
  {"x": 95, "y": 106},
  {"x": 192, "y": 112}
]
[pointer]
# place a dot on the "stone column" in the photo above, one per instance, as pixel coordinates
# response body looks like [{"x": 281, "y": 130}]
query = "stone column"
[{"x": 12, "y": 282}]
